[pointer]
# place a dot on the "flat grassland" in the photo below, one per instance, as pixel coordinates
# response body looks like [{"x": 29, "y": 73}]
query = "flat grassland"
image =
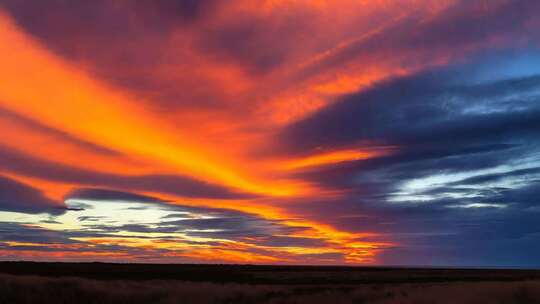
[{"x": 26, "y": 282}]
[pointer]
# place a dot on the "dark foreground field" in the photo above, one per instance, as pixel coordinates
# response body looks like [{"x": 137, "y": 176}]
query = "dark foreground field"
[{"x": 120, "y": 283}]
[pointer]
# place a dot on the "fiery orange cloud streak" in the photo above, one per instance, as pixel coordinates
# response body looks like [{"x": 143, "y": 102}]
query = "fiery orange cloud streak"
[
  {"x": 39, "y": 85},
  {"x": 332, "y": 157},
  {"x": 23, "y": 138}
]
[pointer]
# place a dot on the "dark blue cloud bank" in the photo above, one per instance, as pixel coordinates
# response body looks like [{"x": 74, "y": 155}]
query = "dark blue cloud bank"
[{"x": 462, "y": 186}]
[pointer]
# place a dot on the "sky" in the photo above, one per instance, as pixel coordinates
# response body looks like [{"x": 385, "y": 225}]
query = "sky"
[{"x": 271, "y": 132}]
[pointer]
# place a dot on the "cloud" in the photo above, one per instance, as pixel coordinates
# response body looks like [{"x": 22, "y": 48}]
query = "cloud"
[
  {"x": 20, "y": 163},
  {"x": 109, "y": 39},
  {"x": 463, "y": 172},
  {"x": 428, "y": 107},
  {"x": 193, "y": 221},
  {"x": 17, "y": 119},
  {"x": 99, "y": 220},
  {"x": 99, "y": 194},
  {"x": 16, "y": 196},
  {"x": 16, "y": 232},
  {"x": 438, "y": 123},
  {"x": 449, "y": 32},
  {"x": 122, "y": 20},
  {"x": 284, "y": 241}
]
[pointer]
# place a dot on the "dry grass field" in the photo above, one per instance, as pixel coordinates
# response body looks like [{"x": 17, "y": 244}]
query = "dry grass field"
[{"x": 282, "y": 285}]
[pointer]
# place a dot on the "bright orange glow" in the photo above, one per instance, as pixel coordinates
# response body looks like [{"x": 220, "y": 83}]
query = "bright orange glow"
[{"x": 109, "y": 117}]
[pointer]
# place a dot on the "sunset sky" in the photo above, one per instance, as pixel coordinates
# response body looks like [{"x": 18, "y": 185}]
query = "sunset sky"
[{"x": 271, "y": 131}]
